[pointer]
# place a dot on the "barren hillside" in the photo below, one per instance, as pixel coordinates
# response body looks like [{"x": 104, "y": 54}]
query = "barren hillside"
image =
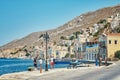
[{"x": 82, "y": 21}]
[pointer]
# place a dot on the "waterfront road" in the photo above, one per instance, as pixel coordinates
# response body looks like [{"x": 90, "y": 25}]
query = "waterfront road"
[{"x": 104, "y": 73}]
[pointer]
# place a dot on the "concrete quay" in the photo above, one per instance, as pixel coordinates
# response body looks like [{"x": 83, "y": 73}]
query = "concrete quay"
[
  {"x": 111, "y": 72},
  {"x": 57, "y": 74}
]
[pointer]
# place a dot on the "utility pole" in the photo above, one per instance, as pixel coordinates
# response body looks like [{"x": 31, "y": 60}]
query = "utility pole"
[
  {"x": 46, "y": 65},
  {"x": 46, "y": 37},
  {"x": 106, "y": 56},
  {"x": 99, "y": 52}
]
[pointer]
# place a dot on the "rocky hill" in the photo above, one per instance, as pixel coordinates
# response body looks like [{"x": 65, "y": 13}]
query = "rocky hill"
[{"x": 82, "y": 21}]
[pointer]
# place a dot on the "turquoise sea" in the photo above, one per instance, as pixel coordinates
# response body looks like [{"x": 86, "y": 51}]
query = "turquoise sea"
[{"x": 18, "y": 65}]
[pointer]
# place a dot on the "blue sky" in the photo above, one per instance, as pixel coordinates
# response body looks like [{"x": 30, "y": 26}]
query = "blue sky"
[{"x": 18, "y": 18}]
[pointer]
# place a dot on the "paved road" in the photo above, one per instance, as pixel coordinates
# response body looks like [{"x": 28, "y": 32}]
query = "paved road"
[{"x": 106, "y": 73}]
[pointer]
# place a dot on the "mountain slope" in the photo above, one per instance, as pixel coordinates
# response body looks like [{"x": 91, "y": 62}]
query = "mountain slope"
[{"x": 82, "y": 21}]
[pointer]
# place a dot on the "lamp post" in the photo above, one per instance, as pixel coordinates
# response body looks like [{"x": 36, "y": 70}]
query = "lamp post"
[
  {"x": 46, "y": 37},
  {"x": 99, "y": 54},
  {"x": 76, "y": 50}
]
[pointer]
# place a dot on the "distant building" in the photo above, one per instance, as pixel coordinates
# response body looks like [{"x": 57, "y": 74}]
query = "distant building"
[
  {"x": 59, "y": 52},
  {"x": 116, "y": 21},
  {"x": 82, "y": 38},
  {"x": 66, "y": 42},
  {"x": 102, "y": 46},
  {"x": 96, "y": 28},
  {"x": 79, "y": 49},
  {"x": 113, "y": 44},
  {"x": 91, "y": 50},
  {"x": 109, "y": 20}
]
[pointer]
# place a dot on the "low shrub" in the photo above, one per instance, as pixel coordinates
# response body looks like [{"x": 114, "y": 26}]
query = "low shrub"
[
  {"x": 117, "y": 54},
  {"x": 30, "y": 68}
]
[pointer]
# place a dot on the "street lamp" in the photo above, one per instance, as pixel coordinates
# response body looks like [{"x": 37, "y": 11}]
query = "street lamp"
[
  {"x": 99, "y": 46},
  {"x": 99, "y": 54},
  {"x": 46, "y": 37},
  {"x": 76, "y": 50}
]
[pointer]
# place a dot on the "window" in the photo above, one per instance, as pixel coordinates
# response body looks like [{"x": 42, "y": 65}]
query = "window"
[
  {"x": 115, "y": 41},
  {"x": 109, "y": 41}
]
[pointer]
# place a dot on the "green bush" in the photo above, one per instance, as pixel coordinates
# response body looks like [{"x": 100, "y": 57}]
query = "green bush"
[
  {"x": 67, "y": 55},
  {"x": 54, "y": 42},
  {"x": 72, "y": 44},
  {"x": 27, "y": 54},
  {"x": 102, "y": 21},
  {"x": 96, "y": 34},
  {"x": 117, "y": 29},
  {"x": 13, "y": 53},
  {"x": 62, "y": 37},
  {"x": 66, "y": 45},
  {"x": 71, "y": 38},
  {"x": 72, "y": 55},
  {"x": 69, "y": 48},
  {"x": 117, "y": 54},
  {"x": 77, "y": 33},
  {"x": 30, "y": 68}
]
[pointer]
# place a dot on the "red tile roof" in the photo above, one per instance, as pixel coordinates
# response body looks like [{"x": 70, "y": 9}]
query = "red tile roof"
[{"x": 114, "y": 34}]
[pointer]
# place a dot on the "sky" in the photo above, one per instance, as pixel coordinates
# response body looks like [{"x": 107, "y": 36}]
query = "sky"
[{"x": 18, "y": 18}]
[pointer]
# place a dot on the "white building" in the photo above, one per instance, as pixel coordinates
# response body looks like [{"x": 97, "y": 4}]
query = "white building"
[{"x": 116, "y": 21}]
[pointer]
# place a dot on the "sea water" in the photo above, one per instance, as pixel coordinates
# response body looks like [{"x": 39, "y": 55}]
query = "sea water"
[{"x": 18, "y": 65}]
